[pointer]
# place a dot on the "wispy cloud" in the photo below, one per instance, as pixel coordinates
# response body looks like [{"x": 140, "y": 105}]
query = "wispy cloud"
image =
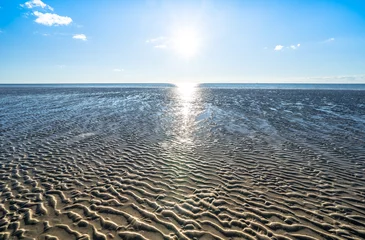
[
  {"x": 332, "y": 79},
  {"x": 329, "y": 40},
  {"x": 281, "y": 47},
  {"x": 159, "y": 42},
  {"x": 160, "y": 46},
  {"x": 36, "y": 3},
  {"x": 295, "y": 46},
  {"x": 80, "y": 37},
  {"x": 118, "y": 70},
  {"x": 278, "y": 47},
  {"x": 51, "y": 19},
  {"x": 43, "y": 34},
  {"x": 154, "y": 40}
]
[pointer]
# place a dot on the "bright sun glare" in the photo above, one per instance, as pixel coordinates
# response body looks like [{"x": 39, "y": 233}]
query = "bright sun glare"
[
  {"x": 186, "y": 42},
  {"x": 186, "y": 90}
]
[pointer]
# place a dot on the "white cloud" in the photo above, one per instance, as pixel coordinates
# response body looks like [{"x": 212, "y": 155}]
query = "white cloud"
[
  {"x": 281, "y": 47},
  {"x": 295, "y": 46},
  {"x": 159, "y": 42},
  {"x": 26, "y": 15},
  {"x": 36, "y": 3},
  {"x": 118, "y": 70},
  {"x": 278, "y": 47},
  {"x": 154, "y": 40},
  {"x": 50, "y": 19},
  {"x": 329, "y": 40},
  {"x": 80, "y": 37}
]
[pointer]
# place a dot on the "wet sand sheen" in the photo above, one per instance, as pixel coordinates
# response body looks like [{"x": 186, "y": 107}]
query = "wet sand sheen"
[{"x": 111, "y": 163}]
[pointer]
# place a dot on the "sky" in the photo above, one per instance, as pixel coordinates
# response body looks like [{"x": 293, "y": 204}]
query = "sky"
[{"x": 245, "y": 41}]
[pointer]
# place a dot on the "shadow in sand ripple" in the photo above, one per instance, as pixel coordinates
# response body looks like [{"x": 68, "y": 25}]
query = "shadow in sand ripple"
[{"x": 181, "y": 163}]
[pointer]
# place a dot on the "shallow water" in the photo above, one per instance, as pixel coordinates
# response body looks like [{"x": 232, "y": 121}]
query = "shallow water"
[{"x": 160, "y": 163}]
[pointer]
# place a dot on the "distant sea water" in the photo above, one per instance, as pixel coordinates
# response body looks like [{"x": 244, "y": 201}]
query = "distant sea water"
[
  {"x": 92, "y": 85},
  {"x": 202, "y": 85},
  {"x": 285, "y": 86}
]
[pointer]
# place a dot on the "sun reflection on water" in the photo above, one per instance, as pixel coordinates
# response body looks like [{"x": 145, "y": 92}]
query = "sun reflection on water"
[
  {"x": 186, "y": 90},
  {"x": 186, "y": 94}
]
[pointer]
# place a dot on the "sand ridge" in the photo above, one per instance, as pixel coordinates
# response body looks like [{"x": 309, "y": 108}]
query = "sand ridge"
[{"x": 130, "y": 164}]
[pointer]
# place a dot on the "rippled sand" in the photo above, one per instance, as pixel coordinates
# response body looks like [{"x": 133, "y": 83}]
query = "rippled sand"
[{"x": 99, "y": 163}]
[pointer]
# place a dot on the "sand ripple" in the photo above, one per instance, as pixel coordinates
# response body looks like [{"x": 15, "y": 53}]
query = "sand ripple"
[{"x": 134, "y": 164}]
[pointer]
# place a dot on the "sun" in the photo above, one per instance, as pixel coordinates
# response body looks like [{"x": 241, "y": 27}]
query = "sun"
[{"x": 186, "y": 42}]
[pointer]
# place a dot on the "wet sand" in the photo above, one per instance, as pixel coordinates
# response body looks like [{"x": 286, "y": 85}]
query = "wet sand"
[{"x": 150, "y": 163}]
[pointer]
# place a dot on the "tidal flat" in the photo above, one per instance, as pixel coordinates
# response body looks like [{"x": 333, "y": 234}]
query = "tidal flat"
[{"x": 181, "y": 163}]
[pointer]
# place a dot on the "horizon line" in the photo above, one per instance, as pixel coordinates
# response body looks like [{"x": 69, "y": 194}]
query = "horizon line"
[{"x": 169, "y": 83}]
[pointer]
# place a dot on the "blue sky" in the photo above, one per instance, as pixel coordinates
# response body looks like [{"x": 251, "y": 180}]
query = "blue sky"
[{"x": 109, "y": 41}]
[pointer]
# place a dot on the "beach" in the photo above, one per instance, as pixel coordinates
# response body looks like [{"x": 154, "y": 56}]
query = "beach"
[{"x": 181, "y": 163}]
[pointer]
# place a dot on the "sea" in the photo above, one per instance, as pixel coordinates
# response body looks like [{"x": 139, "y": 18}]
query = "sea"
[{"x": 202, "y": 85}]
